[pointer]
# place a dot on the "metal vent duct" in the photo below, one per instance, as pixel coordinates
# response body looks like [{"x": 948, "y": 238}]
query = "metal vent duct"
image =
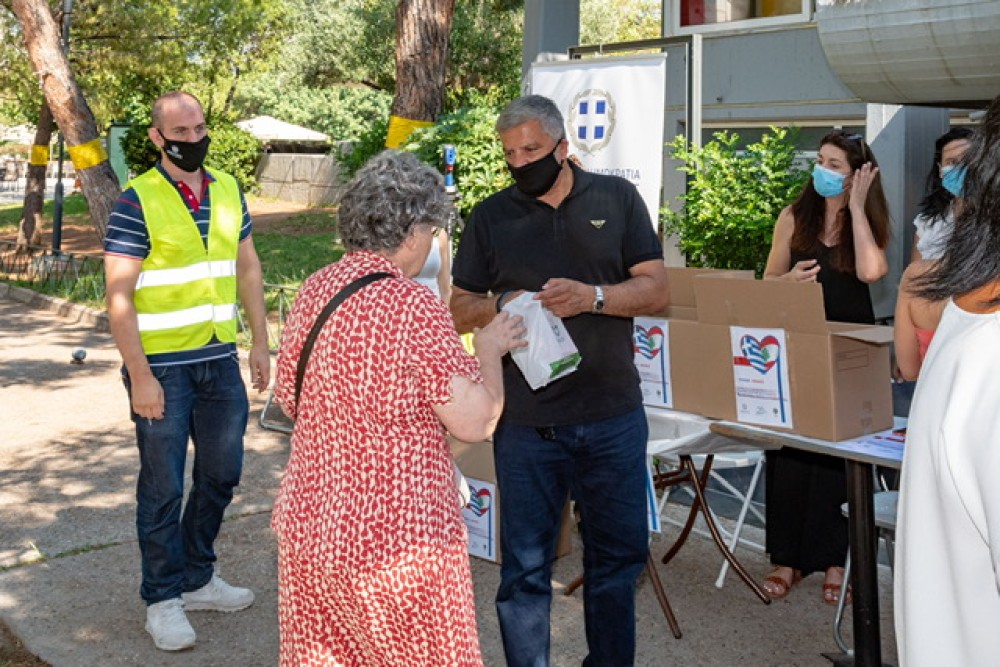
[{"x": 940, "y": 52}]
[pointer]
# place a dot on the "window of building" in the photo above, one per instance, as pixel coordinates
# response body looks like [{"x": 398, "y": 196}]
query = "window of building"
[{"x": 704, "y": 15}]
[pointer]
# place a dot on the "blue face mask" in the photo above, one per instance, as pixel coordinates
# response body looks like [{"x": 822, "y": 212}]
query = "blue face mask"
[
  {"x": 953, "y": 179},
  {"x": 828, "y": 183}
]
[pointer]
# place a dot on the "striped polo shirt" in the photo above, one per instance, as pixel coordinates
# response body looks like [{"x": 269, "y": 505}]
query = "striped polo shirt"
[{"x": 128, "y": 236}]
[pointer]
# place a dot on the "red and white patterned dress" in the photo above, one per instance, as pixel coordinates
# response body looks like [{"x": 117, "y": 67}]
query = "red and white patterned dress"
[{"x": 373, "y": 563}]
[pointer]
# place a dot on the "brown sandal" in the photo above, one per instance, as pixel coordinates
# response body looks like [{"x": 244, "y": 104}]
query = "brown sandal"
[{"x": 777, "y": 587}]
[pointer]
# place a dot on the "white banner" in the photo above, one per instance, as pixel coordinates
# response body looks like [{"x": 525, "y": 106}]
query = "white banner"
[{"x": 613, "y": 109}]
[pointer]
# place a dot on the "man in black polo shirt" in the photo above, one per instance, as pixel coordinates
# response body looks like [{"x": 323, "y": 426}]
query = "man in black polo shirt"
[{"x": 584, "y": 242}]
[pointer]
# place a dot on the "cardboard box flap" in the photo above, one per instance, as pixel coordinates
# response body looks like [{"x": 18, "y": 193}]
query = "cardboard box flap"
[
  {"x": 681, "y": 281},
  {"x": 866, "y": 333},
  {"x": 761, "y": 303}
]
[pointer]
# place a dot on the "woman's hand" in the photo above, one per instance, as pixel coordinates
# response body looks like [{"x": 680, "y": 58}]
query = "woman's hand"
[
  {"x": 500, "y": 336},
  {"x": 804, "y": 271},
  {"x": 861, "y": 181}
]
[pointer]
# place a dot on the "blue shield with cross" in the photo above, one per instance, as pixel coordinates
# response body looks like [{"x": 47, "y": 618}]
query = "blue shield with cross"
[{"x": 592, "y": 120}]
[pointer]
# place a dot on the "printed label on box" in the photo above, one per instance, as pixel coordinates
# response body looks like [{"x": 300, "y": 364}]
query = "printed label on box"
[
  {"x": 480, "y": 516},
  {"x": 760, "y": 376},
  {"x": 651, "y": 345}
]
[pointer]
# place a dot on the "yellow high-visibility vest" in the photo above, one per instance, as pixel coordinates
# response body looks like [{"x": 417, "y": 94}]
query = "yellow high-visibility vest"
[{"x": 187, "y": 293}]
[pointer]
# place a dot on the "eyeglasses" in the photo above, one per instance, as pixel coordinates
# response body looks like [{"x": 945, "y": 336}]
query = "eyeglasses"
[{"x": 447, "y": 227}]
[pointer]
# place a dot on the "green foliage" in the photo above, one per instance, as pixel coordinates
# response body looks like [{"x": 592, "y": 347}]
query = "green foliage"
[
  {"x": 124, "y": 53},
  {"x": 481, "y": 169},
  {"x": 733, "y": 198},
  {"x": 235, "y": 152},
  {"x": 371, "y": 142},
  {"x": 351, "y": 43},
  {"x": 341, "y": 41},
  {"x": 232, "y": 150},
  {"x": 609, "y": 21},
  {"x": 484, "y": 53},
  {"x": 342, "y": 112},
  {"x": 140, "y": 153}
]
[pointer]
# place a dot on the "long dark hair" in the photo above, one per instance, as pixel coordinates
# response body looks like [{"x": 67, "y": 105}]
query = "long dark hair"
[
  {"x": 972, "y": 256},
  {"x": 936, "y": 199},
  {"x": 809, "y": 208}
]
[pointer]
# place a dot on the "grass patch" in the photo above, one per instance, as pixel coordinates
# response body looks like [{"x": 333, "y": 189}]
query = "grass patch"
[
  {"x": 289, "y": 259},
  {"x": 75, "y": 212}
]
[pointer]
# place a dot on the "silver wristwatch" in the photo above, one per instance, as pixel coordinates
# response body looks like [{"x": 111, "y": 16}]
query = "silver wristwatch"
[{"x": 598, "y": 306}]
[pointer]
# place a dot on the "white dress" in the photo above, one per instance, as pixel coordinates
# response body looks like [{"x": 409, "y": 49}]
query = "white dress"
[
  {"x": 932, "y": 238},
  {"x": 428, "y": 275},
  {"x": 947, "y": 589}
]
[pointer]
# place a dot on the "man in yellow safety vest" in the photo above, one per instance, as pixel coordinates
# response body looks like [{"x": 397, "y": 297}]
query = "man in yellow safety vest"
[{"x": 178, "y": 254}]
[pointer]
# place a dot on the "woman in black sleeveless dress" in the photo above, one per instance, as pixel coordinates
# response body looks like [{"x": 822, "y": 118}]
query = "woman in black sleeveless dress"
[{"x": 835, "y": 234}]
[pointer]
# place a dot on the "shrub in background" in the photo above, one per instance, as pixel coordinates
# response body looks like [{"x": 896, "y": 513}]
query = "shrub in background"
[
  {"x": 342, "y": 112},
  {"x": 369, "y": 143},
  {"x": 480, "y": 171},
  {"x": 232, "y": 150},
  {"x": 733, "y": 198}
]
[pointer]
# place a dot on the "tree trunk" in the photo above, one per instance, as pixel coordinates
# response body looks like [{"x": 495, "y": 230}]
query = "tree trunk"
[
  {"x": 68, "y": 106},
  {"x": 30, "y": 232},
  {"x": 422, "y": 31}
]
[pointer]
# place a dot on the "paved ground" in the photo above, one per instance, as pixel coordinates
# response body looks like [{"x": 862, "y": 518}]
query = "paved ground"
[{"x": 70, "y": 593}]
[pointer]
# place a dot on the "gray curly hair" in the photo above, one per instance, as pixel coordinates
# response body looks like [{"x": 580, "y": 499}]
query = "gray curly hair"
[
  {"x": 390, "y": 194},
  {"x": 533, "y": 107}
]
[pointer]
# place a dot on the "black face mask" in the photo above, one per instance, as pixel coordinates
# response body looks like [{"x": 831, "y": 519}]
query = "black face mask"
[
  {"x": 186, "y": 155},
  {"x": 536, "y": 178}
]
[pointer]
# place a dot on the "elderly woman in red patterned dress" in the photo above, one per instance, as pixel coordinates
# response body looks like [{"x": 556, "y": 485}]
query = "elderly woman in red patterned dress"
[{"x": 372, "y": 559}]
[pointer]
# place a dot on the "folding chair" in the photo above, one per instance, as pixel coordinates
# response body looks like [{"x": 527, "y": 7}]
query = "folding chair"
[{"x": 728, "y": 461}]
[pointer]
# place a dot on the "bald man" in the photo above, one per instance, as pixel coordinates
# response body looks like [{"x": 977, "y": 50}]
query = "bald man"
[{"x": 178, "y": 257}]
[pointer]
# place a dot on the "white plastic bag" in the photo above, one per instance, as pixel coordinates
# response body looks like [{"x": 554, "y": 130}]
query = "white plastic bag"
[{"x": 550, "y": 353}]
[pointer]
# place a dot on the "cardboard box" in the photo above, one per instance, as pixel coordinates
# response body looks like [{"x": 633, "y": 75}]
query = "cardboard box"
[
  {"x": 665, "y": 347},
  {"x": 768, "y": 356},
  {"x": 482, "y": 514}
]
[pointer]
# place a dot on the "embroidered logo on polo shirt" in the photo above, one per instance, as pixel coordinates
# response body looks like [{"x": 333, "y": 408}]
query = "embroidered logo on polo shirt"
[{"x": 597, "y": 223}]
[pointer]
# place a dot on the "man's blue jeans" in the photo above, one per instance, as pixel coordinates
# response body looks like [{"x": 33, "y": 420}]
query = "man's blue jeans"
[
  {"x": 603, "y": 464},
  {"x": 206, "y": 401}
]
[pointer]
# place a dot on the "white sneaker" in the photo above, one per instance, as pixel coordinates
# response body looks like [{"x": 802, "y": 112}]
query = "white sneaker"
[
  {"x": 169, "y": 627},
  {"x": 217, "y": 595}
]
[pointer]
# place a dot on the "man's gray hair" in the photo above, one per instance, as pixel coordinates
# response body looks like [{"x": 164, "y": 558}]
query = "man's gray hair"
[
  {"x": 533, "y": 107},
  {"x": 390, "y": 194}
]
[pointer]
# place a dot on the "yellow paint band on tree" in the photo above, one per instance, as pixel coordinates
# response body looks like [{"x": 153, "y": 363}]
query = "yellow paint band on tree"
[
  {"x": 401, "y": 128},
  {"x": 39, "y": 156},
  {"x": 87, "y": 155}
]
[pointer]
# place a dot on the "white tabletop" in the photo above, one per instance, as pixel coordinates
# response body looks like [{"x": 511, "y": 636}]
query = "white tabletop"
[
  {"x": 683, "y": 433},
  {"x": 884, "y": 448}
]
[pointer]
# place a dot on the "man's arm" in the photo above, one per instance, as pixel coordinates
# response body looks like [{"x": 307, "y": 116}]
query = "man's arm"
[
  {"x": 646, "y": 292},
  {"x": 121, "y": 275},
  {"x": 471, "y": 309},
  {"x": 250, "y": 282}
]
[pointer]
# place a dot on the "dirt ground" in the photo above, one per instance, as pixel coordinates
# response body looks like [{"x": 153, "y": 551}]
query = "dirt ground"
[{"x": 267, "y": 214}]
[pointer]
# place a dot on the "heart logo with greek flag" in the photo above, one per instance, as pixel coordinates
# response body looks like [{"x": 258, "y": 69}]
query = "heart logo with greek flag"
[
  {"x": 480, "y": 501},
  {"x": 761, "y": 355},
  {"x": 647, "y": 342}
]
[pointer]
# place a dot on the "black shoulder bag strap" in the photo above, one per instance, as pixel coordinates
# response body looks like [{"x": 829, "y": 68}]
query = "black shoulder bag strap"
[{"x": 339, "y": 297}]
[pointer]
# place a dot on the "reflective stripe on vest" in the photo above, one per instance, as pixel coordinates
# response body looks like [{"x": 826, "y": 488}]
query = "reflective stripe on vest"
[{"x": 186, "y": 293}]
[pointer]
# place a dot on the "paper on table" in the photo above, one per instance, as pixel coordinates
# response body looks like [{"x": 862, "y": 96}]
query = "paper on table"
[{"x": 887, "y": 444}]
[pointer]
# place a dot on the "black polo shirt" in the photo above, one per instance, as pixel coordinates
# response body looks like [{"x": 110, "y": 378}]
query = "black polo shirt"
[{"x": 601, "y": 230}]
